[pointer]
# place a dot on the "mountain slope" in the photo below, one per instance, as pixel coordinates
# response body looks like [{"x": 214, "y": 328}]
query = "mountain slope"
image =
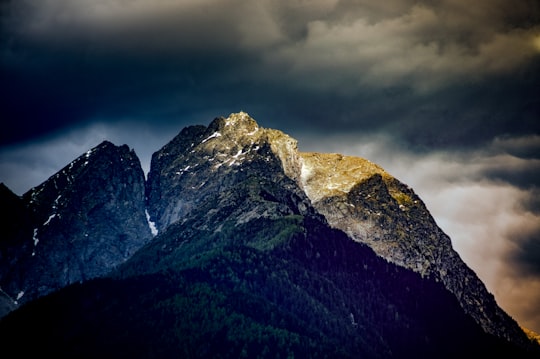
[
  {"x": 372, "y": 207},
  {"x": 79, "y": 224}
]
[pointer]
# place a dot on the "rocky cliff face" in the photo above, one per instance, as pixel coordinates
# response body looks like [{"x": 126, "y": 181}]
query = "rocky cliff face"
[{"x": 79, "y": 224}]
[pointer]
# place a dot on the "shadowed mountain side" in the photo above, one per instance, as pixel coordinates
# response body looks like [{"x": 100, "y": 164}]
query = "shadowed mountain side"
[{"x": 77, "y": 225}]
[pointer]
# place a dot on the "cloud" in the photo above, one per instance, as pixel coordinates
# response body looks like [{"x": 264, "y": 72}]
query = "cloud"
[
  {"x": 423, "y": 47},
  {"x": 142, "y": 28},
  {"x": 407, "y": 66},
  {"x": 524, "y": 146},
  {"x": 527, "y": 234}
]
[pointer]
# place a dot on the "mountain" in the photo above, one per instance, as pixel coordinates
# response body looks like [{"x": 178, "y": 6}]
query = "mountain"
[
  {"x": 262, "y": 251},
  {"x": 79, "y": 224}
]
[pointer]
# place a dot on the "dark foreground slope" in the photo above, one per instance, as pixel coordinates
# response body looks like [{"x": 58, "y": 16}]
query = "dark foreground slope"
[{"x": 315, "y": 294}]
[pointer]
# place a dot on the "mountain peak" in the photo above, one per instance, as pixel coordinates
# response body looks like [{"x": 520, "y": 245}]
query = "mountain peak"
[
  {"x": 228, "y": 148},
  {"x": 353, "y": 194},
  {"x": 241, "y": 120},
  {"x": 105, "y": 144},
  {"x": 236, "y": 124}
]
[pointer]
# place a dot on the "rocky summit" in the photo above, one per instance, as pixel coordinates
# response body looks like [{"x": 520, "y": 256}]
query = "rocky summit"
[
  {"x": 205, "y": 160},
  {"x": 77, "y": 225},
  {"x": 261, "y": 251}
]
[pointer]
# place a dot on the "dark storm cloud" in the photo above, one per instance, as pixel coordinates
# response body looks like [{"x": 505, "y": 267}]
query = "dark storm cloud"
[
  {"x": 72, "y": 61},
  {"x": 522, "y": 174},
  {"x": 528, "y": 255},
  {"x": 366, "y": 65},
  {"x": 523, "y": 147}
]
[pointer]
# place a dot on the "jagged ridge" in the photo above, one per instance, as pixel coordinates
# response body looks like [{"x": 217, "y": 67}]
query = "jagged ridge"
[{"x": 236, "y": 184}]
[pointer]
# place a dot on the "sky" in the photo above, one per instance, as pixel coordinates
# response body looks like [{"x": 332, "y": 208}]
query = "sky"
[{"x": 442, "y": 94}]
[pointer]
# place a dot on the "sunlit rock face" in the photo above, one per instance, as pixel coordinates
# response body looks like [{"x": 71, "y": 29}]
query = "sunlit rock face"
[{"x": 79, "y": 224}]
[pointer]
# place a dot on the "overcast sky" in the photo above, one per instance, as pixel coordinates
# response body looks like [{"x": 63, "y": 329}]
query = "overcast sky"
[{"x": 443, "y": 94}]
